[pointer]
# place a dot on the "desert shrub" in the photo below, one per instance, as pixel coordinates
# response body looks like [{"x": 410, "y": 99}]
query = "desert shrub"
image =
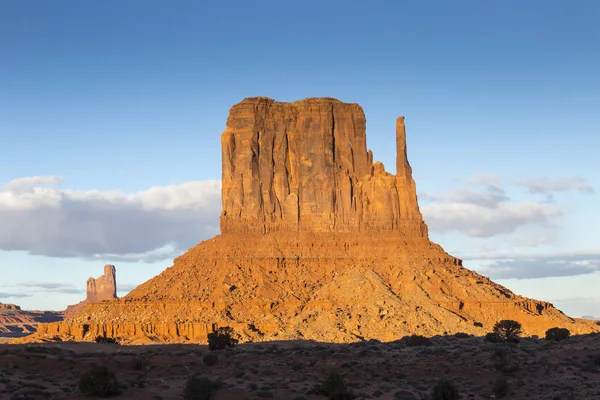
[
  {"x": 493, "y": 338},
  {"x": 100, "y": 382},
  {"x": 557, "y": 334},
  {"x": 334, "y": 388},
  {"x": 444, "y": 390},
  {"x": 210, "y": 359},
  {"x": 221, "y": 338},
  {"x": 478, "y": 324},
  {"x": 138, "y": 364},
  {"x": 104, "y": 339},
  {"x": 500, "y": 387},
  {"x": 198, "y": 388},
  {"x": 462, "y": 335},
  {"x": 503, "y": 360},
  {"x": 417, "y": 340},
  {"x": 508, "y": 330}
]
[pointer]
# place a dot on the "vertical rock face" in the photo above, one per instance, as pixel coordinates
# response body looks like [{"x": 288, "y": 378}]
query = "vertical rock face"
[
  {"x": 97, "y": 290},
  {"x": 104, "y": 287},
  {"x": 304, "y": 166}
]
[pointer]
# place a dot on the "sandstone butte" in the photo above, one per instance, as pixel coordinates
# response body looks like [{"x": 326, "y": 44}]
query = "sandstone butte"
[
  {"x": 98, "y": 289},
  {"x": 317, "y": 242}
]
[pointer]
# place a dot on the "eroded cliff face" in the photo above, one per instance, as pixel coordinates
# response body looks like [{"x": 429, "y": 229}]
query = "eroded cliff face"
[
  {"x": 103, "y": 287},
  {"x": 98, "y": 289},
  {"x": 318, "y": 242},
  {"x": 304, "y": 166}
]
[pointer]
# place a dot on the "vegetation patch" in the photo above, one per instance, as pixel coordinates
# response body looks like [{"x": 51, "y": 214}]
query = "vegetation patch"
[
  {"x": 222, "y": 338},
  {"x": 100, "y": 382}
]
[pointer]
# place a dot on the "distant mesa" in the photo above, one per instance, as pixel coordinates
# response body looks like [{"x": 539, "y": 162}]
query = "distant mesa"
[
  {"x": 318, "y": 242},
  {"x": 15, "y": 322},
  {"x": 103, "y": 288}
]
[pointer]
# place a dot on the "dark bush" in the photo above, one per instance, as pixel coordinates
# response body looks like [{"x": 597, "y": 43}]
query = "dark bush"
[
  {"x": 104, "y": 339},
  {"x": 493, "y": 338},
  {"x": 210, "y": 359},
  {"x": 417, "y": 340},
  {"x": 100, "y": 382},
  {"x": 198, "y": 388},
  {"x": 557, "y": 334},
  {"x": 138, "y": 364},
  {"x": 508, "y": 330},
  {"x": 444, "y": 390},
  {"x": 478, "y": 324},
  {"x": 500, "y": 387},
  {"x": 221, "y": 338},
  {"x": 334, "y": 388},
  {"x": 462, "y": 335},
  {"x": 503, "y": 360}
]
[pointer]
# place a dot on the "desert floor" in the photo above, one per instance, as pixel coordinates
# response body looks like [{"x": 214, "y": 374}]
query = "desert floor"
[{"x": 534, "y": 369}]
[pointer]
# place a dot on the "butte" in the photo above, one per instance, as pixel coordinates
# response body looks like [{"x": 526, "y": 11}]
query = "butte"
[{"x": 317, "y": 242}]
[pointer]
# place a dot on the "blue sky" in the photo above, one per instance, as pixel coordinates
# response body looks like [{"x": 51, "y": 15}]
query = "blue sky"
[{"x": 111, "y": 114}]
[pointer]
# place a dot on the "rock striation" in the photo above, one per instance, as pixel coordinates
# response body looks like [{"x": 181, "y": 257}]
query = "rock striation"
[
  {"x": 98, "y": 289},
  {"x": 304, "y": 167},
  {"x": 318, "y": 242},
  {"x": 15, "y": 322}
]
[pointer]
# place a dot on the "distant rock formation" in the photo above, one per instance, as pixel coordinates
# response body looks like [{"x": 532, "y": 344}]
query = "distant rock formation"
[
  {"x": 318, "y": 242},
  {"x": 104, "y": 287},
  {"x": 15, "y": 322},
  {"x": 98, "y": 289},
  {"x": 304, "y": 166}
]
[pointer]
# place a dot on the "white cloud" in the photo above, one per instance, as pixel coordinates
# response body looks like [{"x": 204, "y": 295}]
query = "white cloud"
[
  {"x": 533, "y": 266},
  {"x": 41, "y": 218},
  {"x": 52, "y": 287},
  {"x": 549, "y": 185},
  {"x": 485, "y": 211}
]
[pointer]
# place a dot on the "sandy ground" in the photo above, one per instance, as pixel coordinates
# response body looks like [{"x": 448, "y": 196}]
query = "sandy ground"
[{"x": 535, "y": 369}]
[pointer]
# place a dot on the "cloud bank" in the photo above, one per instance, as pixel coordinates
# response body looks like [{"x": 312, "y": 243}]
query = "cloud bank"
[
  {"x": 484, "y": 210},
  {"x": 40, "y": 217},
  {"x": 528, "y": 266}
]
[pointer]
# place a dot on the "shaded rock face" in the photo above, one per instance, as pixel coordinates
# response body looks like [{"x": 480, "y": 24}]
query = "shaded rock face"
[
  {"x": 98, "y": 289},
  {"x": 104, "y": 287},
  {"x": 318, "y": 243},
  {"x": 304, "y": 166}
]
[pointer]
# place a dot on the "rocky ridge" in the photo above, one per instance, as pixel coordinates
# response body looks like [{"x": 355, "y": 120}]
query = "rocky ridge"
[
  {"x": 318, "y": 242},
  {"x": 15, "y": 322}
]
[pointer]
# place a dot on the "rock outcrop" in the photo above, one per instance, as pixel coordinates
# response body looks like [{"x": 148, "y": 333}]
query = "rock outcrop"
[
  {"x": 15, "y": 322},
  {"x": 318, "y": 242},
  {"x": 98, "y": 289},
  {"x": 304, "y": 167}
]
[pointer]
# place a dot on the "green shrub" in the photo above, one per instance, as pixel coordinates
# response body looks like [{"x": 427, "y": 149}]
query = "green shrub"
[
  {"x": 198, "y": 388},
  {"x": 210, "y": 359},
  {"x": 444, "y": 390},
  {"x": 500, "y": 387},
  {"x": 100, "y": 382},
  {"x": 508, "y": 330},
  {"x": 417, "y": 340},
  {"x": 221, "y": 338},
  {"x": 104, "y": 339},
  {"x": 334, "y": 388},
  {"x": 557, "y": 334}
]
